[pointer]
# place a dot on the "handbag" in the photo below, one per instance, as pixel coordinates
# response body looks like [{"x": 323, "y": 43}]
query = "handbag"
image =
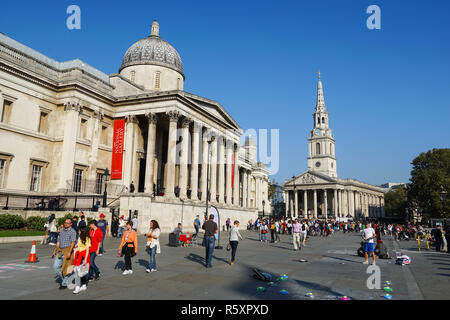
[
  {"x": 83, "y": 270},
  {"x": 228, "y": 247}
]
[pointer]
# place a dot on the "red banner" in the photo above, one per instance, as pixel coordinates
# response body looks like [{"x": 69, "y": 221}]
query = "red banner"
[{"x": 117, "y": 149}]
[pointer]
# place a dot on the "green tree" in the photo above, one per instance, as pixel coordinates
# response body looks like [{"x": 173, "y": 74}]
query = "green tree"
[
  {"x": 430, "y": 179},
  {"x": 396, "y": 202},
  {"x": 271, "y": 191}
]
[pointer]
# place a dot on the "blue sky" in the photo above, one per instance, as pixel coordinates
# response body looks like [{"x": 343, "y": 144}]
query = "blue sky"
[{"x": 387, "y": 91}]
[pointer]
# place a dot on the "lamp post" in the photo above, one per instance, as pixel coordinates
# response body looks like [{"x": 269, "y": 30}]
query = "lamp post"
[
  {"x": 106, "y": 176},
  {"x": 443, "y": 196},
  {"x": 207, "y": 174}
]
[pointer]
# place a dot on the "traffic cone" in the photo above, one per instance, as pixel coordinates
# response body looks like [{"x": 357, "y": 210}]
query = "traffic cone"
[{"x": 32, "y": 258}]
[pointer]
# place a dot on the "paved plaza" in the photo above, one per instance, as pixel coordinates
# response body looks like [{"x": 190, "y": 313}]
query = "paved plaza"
[{"x": 332, "y": 270}]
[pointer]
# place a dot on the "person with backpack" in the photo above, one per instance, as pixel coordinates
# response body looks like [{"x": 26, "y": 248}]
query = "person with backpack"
[{"x": 128, "y": 247}]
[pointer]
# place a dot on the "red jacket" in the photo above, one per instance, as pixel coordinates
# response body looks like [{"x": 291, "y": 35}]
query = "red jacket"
[{"x": 96, "y": 239}]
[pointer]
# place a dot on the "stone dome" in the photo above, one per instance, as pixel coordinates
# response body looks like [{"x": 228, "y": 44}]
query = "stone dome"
[{"x": 153, "y": 51}]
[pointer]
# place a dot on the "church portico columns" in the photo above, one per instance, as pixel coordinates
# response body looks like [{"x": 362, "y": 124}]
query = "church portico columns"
[
  {"x": 296, "y": 203},
  {"x": 335, "y": 203},
  {"x": 325, "y": 201},
  {"x": 315, "y": 204},
  {"x": 150, "y": 156},
  {"x": 305, "y": 203}
]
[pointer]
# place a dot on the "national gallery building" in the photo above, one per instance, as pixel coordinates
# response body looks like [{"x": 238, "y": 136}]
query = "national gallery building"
[
  {"x": 318, "y": 192},
  {"x": 63, "y": 124}
]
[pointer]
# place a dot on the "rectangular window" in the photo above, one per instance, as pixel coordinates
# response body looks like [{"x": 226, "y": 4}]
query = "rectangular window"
[
  {"x": 83, "y": 129},
  {"x": 2, "y": 171},
  {"x": 77, "y": 179},
  {"x": 43, "y": 122},
  {"x": 36, "y": 175},
  {"x": 98, "y": 183},
  {"x": 6, "y": 112},
  {"x": 104, "y": 136}
]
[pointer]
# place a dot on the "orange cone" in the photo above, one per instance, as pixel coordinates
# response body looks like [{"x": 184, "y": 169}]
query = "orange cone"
[{"x": 32, "y": 258}]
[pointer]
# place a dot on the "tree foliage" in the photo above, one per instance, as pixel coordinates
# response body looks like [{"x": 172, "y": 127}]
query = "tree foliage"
[
  {"x": 430, "y": 183},
  {"x": 396, "y": 202}
]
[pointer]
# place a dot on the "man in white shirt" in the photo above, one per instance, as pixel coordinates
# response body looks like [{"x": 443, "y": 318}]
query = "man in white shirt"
[{"x": 368, "y": 234}]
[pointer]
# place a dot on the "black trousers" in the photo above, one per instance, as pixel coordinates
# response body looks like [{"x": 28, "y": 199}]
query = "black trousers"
[
  {"x": 448, "y": 243},
  {"x": 234, "y": 245},
  {"x": 128, "y": 252},
  {"x": 438, "y": 245},
  {"x": 272, "y": 238}
]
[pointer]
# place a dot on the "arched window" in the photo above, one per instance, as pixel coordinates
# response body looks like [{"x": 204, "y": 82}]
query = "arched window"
[
  {"x": 323, "y": 120},
  {"x": 318, "y": 120},
  {"x": 317, "y": 148}
]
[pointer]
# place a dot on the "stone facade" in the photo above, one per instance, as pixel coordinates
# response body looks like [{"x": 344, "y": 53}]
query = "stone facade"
[
  {"x": 56, "y": 130},
  {"x": 318, "y": 192}
]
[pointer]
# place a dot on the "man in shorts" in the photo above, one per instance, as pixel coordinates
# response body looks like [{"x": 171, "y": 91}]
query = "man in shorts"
[{"x": 368, "y": 234}]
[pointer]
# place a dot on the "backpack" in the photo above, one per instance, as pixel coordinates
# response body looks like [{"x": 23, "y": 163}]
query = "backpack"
[{"x": 303, "y": 227}]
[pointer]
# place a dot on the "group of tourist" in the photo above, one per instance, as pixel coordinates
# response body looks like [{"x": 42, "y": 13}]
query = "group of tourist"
[{"x": 78, "y": 244}]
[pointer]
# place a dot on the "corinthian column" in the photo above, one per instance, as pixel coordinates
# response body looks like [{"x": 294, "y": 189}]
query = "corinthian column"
[
  {"x": 213, "y": 170},
  {"x": 229, "y": 154},
  {"x": 203, "y": 182},
  {"x": 72, "y": 110},
  {"x": 236, "y": 176},
  {"x": 245, "y": 189},
  {"x": 184, "y": 156},
  {"x": 171, "y": 153},
  {"x": 221, "y": 173},
  {"x": 130, "y": 152},
  {"x": 194, "y": 160},
  {"x": 150, "y": 158}
]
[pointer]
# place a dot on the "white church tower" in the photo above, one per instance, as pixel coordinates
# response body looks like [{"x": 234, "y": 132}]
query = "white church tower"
[{"x": 321, "y": 155}]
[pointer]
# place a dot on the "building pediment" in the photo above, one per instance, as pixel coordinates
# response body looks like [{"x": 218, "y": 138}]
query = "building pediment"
[{"x": 309, "y": 177}]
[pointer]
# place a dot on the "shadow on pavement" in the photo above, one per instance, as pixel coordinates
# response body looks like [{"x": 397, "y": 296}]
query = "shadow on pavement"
[
  {"x": 144, "y": 263},
  {"x": 196, "y": 258},
  {"x": 120, "y": 265}
]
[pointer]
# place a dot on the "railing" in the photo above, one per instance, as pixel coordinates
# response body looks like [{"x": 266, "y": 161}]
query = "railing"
[
  {"x": 94, "y": 187},
  {"x": 50, "y": 203}
]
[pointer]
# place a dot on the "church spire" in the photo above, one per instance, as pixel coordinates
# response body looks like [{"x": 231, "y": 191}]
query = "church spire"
[{"x": 320, "y": 99}]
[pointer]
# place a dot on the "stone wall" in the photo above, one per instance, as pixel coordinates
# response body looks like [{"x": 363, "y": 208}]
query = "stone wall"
[
  {"x": 59, "y": 214},
  {"x": 170, "y": 213}
]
